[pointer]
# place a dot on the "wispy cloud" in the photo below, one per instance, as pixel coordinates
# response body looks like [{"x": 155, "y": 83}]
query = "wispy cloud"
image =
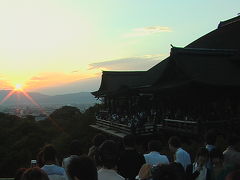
[
  {"x": 4, "y": 84},
  {"x": 50, "y": 79},
  {"x": 130, "y": 63},
  {"x": 38, "y": 78},
  {"x": 146, "y": 31}
]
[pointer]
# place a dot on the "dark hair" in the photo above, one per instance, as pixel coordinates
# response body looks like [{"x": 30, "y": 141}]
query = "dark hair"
[
  {"x": 49, "y": 153},
  {"x": 40, "y": 160},
  {"x": 34, "y": 174},
  {"x": 233, "y": 140},
  {"x": 216, "y": 153},
  {"x": 75, "y": 147},
  {"x": 202, "y": 151},
  {"x": 210, "y": 137},
  {"x": 174, "y": 141},
  {"x": 179, "y": 170},
  {"x": 129, "y": 140},
  {"x": 82, "y": 167},
  {"x": 164, "y": 172},
  {"x": 154, "y": 145},
  {"x": 108, "y": 154},
  {"x": 98, "y": 140},
  {"x": 235, "y": 175},
  {"x": 19, "y": 173}
]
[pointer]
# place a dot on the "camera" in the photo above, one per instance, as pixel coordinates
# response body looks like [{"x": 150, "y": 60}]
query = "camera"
[{"x": 33, "y": 163}]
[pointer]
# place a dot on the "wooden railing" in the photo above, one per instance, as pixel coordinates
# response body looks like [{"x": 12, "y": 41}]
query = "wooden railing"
[
  {"x": 190, "y": 127},
  {"x": 147, "y": 128},
  {"x": 181, "y": 125},
  {"x": 113, "y": 125}
]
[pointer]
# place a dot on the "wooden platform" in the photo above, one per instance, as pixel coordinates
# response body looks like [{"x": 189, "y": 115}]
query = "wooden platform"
[
  {"x": 166, "y": 125},
  {"x": 109, "y": 131},
  {"x": 120, "y": 130}
]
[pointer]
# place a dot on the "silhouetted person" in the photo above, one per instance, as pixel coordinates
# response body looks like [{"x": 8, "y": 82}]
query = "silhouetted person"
[
  {"x": 198, "y": 170},
  {"x": 40, "y": 161},
  {"x": 19, "y": 173},
  {"x": 154, "y": 157},
  {"x": 130, "y": 161},
  {"x": 34, "y": 174},
  {"x": 82, "y": 168},
  {"x": 75, "y": 151},
  {"x": 53, "y": 171},
  {"x": 232, "y": 154},
  {"x": 108, "y": 155},
  {"x": 164, "y": 172},
  {"x": 210, "y": 140},
  {"x": 179, "y": 170},
  {"x": 219, "y": 172},
  {"x": 93, "y": 150},
  {"x": 180, "y": 155},
  {"x": 235, "y": 175}
]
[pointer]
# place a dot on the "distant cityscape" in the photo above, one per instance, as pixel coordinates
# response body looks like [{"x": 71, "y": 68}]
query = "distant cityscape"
[
  {"x": 43, "y": 105},
  {"x": 37, "y": 112}
]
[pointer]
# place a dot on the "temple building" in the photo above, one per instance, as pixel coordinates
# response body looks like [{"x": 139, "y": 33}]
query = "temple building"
[{"x": 195, "y": 88}]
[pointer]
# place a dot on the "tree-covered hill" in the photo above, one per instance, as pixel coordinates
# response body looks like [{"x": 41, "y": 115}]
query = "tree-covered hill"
[{"x": 22, "y": 138}]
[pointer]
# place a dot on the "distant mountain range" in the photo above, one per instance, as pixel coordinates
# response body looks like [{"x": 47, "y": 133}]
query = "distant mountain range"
[{"x": 66, "y": 99}]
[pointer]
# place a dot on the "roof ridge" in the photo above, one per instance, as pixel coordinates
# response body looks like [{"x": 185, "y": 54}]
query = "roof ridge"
[
  {"x": 229, "y": 21},
  {"x": 178, "y": 50}
]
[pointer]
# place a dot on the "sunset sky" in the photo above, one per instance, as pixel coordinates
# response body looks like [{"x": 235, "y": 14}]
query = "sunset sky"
[{"x": 62, "y": 46}]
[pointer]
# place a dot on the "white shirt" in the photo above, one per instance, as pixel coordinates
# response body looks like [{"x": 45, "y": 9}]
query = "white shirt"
[
  {"x": 108, "y": 174},
  {"x": 210, "y": 147},
  {"x": 182, "y": 157},
  {"x": 65, "y": 164},
  {"x": 54, "y": 172},
  {"x": 231, "y": 156},
  {"x": 202, "y": 173},
  {"x": 154, "y": 158}
]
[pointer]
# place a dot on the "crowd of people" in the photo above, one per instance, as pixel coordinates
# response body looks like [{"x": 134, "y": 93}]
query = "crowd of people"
[
  {"x": 137, "y": 115},
  {"x": 133, "y": 120},
  {"x": 104, "y": 161}
]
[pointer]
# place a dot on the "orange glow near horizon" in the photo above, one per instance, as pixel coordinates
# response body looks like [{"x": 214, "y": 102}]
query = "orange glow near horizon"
[
  {"x": 18, "y": 89},
  {"x": 47, "y": 80}
]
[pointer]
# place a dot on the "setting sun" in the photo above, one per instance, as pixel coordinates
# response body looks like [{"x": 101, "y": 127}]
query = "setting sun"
[{"x": 18, "y": 87}]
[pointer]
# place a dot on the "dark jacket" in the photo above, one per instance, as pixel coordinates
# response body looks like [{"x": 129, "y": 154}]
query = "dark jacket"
[{"x": 129, "y": 163}]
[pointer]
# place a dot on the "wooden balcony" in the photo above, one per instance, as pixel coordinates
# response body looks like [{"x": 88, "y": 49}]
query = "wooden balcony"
[{"x": 180, "y": 126}]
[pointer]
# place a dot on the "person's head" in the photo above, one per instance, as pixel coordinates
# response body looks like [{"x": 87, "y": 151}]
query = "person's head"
[
  {"x": 19, "y": 173},
  {"x": 82, "y": 168},
  {"x": 235, "y": 175},
  {"x": 202, "y": 156},
  {"x": 98, "y": 140},
  {"x": 210, "y": 137},
  {"x": 75, "y": 147},
  {"x": 34, "y": 174},
  {"x": 129, "y": 140},
  {"x": 216, "y": 157},
  {"x": 40, "y": 160},
  {"x": 233, "y": 141},
  {"x": 108, "y": 154},
  {"x": 49, "y": 153},
  {"x": 154, "y": 145},
  {"x": 174, "y": 143},
  {"x": 179, "y": 170},
  {"x": 164, "y": 172}
]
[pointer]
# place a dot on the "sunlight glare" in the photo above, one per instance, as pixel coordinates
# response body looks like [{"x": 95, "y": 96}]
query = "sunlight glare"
[{"x": 18, "y": 87}]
